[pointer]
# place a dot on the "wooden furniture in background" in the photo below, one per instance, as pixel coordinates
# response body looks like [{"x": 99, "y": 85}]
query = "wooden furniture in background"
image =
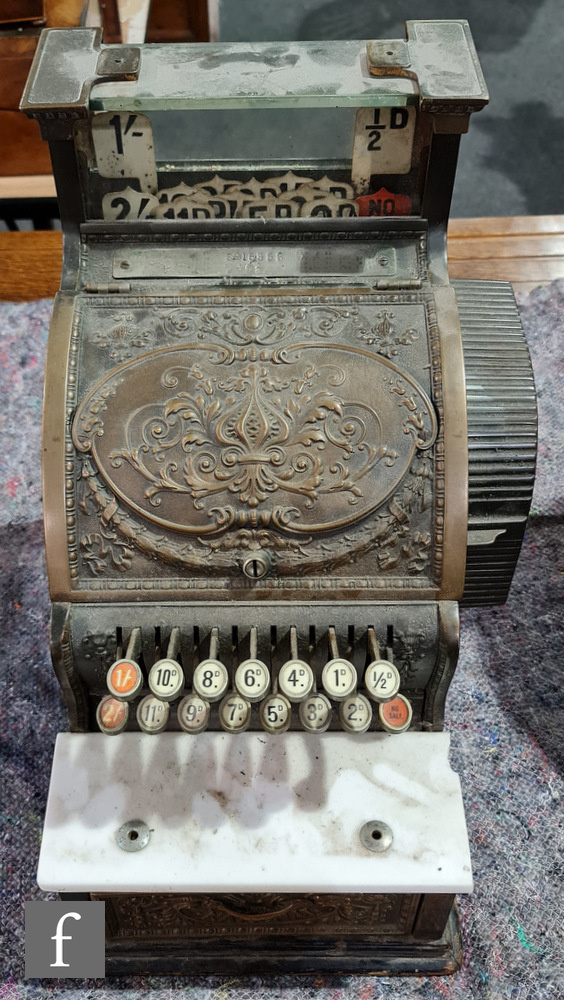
[
  {"x": 111, "y": 24},
  {"x": 21, "y": 10},
  {"x": 178, "y": 21},
  {"x": 21, "y": 22},
  {"x": 23, "y": 150},
  {"x": 526, "y": 250}
]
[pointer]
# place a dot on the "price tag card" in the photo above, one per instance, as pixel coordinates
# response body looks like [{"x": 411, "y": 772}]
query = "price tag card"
[
  {"x": 383, "y": 143},
  {"x": 124, "y": 147},
  {"x": 128, "y": 204}
]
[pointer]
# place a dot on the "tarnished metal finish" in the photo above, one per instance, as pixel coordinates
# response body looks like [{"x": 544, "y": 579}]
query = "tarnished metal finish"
[
  {"x": 376, "y": 836},
  {"x": 79, "y": 52},
  {"x": 58, "y": 458},
  {"x": 256, "y": 438},
  {"x": 447, "y": 656},
  {"x": 121, "y": 62},
  {"x": 503, "y": 451},
  {"x": 133, "y": 836},
  {"x": 244, "y": 915},
  {"x": 422, "y": 638},
  {"x": 273, "y": 411},
  {"x": 73, "y": 687},
  {"x": 264, "y": 934},
  {"x": 255, "y": 425}
]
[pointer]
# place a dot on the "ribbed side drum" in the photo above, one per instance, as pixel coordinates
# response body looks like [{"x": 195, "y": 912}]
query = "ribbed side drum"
[{"x": 502, "y": 436}]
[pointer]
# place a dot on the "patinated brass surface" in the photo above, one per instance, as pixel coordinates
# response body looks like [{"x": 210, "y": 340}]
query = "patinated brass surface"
[
  {"x": 244, "y": 915},
  {"x": 205, "y": 427},
  {"x": 256, "y": 440}
]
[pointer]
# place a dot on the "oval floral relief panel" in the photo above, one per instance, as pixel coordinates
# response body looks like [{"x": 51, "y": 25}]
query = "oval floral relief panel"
[{"x": 300, "y": 441}]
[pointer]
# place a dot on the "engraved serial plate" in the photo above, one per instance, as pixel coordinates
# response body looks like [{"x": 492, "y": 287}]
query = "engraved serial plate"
[{"x": 267, "y": 260}]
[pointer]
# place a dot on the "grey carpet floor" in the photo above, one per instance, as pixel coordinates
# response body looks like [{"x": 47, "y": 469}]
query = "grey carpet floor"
[{"x": 504, "y": 712}]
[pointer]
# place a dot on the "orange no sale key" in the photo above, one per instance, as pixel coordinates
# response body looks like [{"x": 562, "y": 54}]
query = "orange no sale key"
[{"x": 395, "y": 715}]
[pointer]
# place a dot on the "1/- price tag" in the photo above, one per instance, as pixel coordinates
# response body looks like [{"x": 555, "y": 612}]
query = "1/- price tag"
[{"x": 124, "y": 147}]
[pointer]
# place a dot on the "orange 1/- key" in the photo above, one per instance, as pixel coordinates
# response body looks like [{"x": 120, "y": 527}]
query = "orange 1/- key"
[
  {"x": 112, "y": 715},
  {"x": 383, "y": 202},
  {"x": 124, "y": 679},
  {"x": 395, "y": 715}
]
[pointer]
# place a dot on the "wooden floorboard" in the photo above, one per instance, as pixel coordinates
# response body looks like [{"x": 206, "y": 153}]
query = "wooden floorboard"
[{"x": 507, "y": 225}]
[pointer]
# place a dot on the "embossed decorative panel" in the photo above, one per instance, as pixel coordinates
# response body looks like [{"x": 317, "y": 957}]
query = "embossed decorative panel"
[
  {"x": 297, "y": 426},
  {"x": 245, "y": 915}
]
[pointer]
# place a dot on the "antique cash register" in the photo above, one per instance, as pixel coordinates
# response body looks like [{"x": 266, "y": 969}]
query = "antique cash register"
[{"x": 280, "y": 449}]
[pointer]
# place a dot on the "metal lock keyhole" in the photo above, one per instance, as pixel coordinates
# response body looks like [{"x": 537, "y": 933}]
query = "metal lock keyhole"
[{"x": 256, "y": 566}]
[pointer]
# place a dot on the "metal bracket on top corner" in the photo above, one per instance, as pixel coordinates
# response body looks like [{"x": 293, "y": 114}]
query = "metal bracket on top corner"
[
  {"x": 120, "y": 62},
  {"x": 390, "y": 57},
  {"x": 56, "y": 99}
]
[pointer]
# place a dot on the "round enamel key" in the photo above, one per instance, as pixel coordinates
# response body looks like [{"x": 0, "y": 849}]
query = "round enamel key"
[
  {"x": 124, "y": 679},
  {"x": 252, "y": 677},
  {"x": 315, "y": 713},
  {"x": 152, "y": 714},
  {"x": 276, "y": 714},
  {"x": 211, "y": 679},
  {"x": 355, "y": 713},
  {"x": 234, "y": 713},
  {"x": 339, "y": 677},
  {"x": 166, "y": 677},
  {"x": 295, "y": 677},
  {"x": 193, "y": 714},
  {"x": 381, "y": 677},
  {"x": 112, "y": 715},
  {"x": 395, "y": 715}
]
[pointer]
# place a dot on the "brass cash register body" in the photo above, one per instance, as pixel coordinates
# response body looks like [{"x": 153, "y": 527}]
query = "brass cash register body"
[{"x": 274, "y": 433}]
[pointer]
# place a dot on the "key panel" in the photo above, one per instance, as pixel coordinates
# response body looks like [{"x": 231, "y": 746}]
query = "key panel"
[{"x": 356, "y": 669}]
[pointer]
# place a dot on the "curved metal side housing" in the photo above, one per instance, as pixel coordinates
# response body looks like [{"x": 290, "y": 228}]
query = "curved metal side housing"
[{"x": 74, "y": 689}]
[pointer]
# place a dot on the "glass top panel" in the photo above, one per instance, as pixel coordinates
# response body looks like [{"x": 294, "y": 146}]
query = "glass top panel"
[{"x": 277, "y": 75}]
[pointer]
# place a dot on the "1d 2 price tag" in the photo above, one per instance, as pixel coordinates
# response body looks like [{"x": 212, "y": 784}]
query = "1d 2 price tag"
[{"x": 383, "y": 143}]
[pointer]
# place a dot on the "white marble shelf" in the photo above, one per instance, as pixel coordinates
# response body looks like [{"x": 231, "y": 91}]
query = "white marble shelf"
[{"x": 254, "y": 812}]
